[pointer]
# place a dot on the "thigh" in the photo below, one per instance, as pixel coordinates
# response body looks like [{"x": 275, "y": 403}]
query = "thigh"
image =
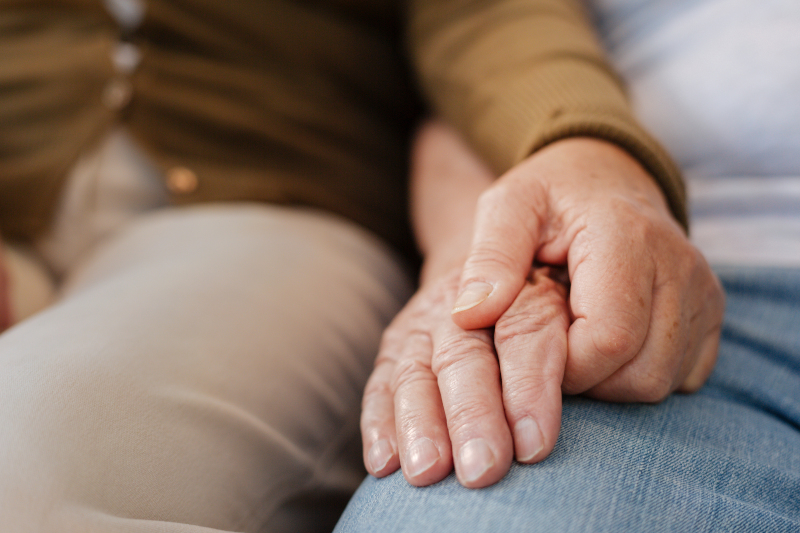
[
  {"x": 724, "y": 459},
  {"x": 202, "y": 370}
]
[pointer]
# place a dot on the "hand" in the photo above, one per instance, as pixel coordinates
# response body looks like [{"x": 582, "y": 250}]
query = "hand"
[
  {"x": 440, "y": 394},
  {"x": 646, "y": 308}
]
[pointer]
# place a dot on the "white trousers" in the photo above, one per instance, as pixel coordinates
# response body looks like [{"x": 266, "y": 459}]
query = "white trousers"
[{"x": 201, "y": 371}]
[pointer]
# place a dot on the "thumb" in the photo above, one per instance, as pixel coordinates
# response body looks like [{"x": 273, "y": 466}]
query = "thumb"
[{"x": 504, "y": 243}]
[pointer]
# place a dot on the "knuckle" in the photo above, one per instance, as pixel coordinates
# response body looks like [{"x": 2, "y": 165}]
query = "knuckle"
[
  {"x": 528, "y": 321},
  {"x": 681, "y": 263},
  {"x": 520, "y": 325},
  {"x": 397, "y": 343},
  {"x": 616, "y": 342},
  {"x": 521, "y": 391},
  {"x": 649, "y": 230},
  {"x": 459, "y": 351},
  {"x": 410, "y": 371},
  {"x": 653, "y": 387},
  {"x": 688, "y": 262},
  {"x": 466, "y": 413},
  {"x": 413, "y": 421}
]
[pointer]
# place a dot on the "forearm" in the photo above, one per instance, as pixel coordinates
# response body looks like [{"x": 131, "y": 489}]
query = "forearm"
[{"x": 446, "y": 180}]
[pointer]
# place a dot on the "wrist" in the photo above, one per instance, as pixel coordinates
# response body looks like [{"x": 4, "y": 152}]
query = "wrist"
[
  {"x": 589, "y": 168},
  {"x": 442, "y": 260}
]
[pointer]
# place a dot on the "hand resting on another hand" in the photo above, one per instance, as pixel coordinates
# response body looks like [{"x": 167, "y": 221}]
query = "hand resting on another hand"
[{"x": 641, "y": 318}]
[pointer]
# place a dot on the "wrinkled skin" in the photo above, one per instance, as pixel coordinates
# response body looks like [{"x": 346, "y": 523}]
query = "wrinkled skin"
[
  {"x": 641, "y": 317},
  {"x": 434, "y": 380}
]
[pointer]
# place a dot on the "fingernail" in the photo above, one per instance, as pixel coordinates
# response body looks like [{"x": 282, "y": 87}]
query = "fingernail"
[
  {"x": 473, "y": 294},
  {"x": 422, "y": 455},
  {"x": 475, "y": 459},
  {"x": 528, "y": 439},
  {"x": 379, "y": 455}
]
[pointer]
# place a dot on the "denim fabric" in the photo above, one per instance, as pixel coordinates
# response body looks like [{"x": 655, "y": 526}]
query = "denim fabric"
[{"x": 724, "y": 459}]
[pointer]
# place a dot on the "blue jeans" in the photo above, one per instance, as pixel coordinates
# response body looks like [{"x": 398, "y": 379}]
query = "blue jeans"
[{"x": 724, "y": 459}]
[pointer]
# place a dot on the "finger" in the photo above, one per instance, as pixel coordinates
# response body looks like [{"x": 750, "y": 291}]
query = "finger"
[
  {"x": 423, "y": 441},
  {"x": 505, "y": 239},
  {"x": 531, "y": 342},
  {"x": 610, "y": 300},
  {"x": 378, "y": 432},
  {"x": 685, "y": 309},
  {"x": 709, "y": 345},
  {"x": 652, "y": 375},
  {"x": 469, "y": 381},
  {"x": 701, "y": 371}
]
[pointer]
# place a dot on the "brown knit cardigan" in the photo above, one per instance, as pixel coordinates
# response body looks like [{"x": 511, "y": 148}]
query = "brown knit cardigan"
[{"x": 307, "y": 102}]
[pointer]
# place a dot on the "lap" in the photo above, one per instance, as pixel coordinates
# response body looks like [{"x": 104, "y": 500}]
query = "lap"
[
  {"x": 724, "y": 459},
  {"x": 203, "y": 368}
]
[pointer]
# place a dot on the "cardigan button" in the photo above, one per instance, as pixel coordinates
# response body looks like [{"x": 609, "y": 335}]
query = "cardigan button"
[
  {"x": 126, "y": 57},
  {"x": 117, "y": 94},
  {"x": 181, "y": 180}
]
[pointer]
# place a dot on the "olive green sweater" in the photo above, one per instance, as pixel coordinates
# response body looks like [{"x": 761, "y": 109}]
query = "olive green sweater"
[{"x": 307, "y": 102}]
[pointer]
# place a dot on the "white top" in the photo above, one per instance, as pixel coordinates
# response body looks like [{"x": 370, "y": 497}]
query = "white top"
[{"x": 718, "y": 82}]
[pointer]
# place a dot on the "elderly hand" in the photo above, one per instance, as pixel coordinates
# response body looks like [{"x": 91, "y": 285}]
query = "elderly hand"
[
  {"x": 646, "y": 307},
  {"x": 642, "y": 317},
  {"x": 440, "y": 394}
]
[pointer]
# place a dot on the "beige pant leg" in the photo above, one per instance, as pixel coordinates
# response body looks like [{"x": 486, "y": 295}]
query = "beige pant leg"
[{"x": 202, "y": 373}]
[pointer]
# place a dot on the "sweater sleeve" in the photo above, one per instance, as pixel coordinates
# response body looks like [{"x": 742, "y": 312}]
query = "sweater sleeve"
[{"x": 516, "y": 75}]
